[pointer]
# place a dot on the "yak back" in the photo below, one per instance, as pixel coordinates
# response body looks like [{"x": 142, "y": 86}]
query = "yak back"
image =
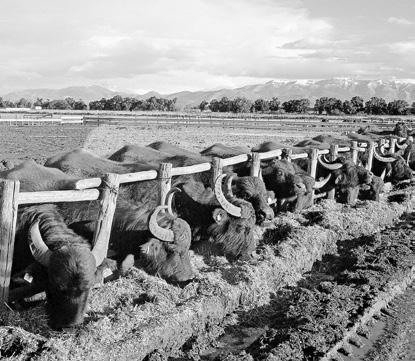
[
  {"x": 223, "y": 151},
  {"x": 34, "y": 177},
  {"x": 82, "y": 163},
  {"x": 134, "y": 153},
  {"x": 171, "y": 149}
]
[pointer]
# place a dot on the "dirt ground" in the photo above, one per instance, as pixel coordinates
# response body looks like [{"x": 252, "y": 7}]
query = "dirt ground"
[
  {"x": 315, "y": 274},
  {"x": 40, "y": 142}
]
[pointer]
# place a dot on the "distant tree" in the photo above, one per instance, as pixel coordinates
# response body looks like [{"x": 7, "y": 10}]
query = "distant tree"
[
  {"x": 59, "y": 104},
  {"x": 320, "y": 104},
  {"x": 349, "y": 108},
  {"x": 79, "y": 105},
  {"x": 203, "y": 105},
  {"x": 171, "y": 105},
  {"x": 97, "y": 104},
  {"x": 224, "y": 105},
  {"x": 2, "y": 103},
  {"x": 398, "y": 107},
  {"x": 214, "y": 105},
  {"x": 376, "y": 106},
  {"x": 274, "y": 104},
  {"x": 413, "y": 108},
  {"x": 358, "y": 104},
  {"x": 23, "y": 103},
  {"x": 296, "y": 105},
  {"x": 70, "y": 101},
  {"x": 241, "y": 105},
  {"x": 329, "y": 105},
  {"x": 261, "y": 105}
]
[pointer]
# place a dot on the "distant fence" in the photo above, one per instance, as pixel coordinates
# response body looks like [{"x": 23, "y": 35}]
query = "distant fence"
[{"x": 106, "y": 189}]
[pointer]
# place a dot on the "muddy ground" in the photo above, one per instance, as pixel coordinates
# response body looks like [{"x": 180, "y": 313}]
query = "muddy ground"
[{"x": 314, "y": 276}]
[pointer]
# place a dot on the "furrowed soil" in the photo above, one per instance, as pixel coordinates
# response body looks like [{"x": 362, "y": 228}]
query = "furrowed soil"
[{"x": 314, "y": 277}]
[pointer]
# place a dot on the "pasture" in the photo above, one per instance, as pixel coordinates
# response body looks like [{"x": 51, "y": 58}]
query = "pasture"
[{"x": 316, "y": 260}]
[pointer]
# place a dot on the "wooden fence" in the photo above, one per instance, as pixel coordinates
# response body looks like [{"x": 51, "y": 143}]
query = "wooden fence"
[{"x": 106, "y": 189}]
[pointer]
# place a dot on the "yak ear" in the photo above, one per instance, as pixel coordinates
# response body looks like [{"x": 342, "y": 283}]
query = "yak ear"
[
  {"x": 219, "y": 215},
  {"x": 153, "y": 248}
]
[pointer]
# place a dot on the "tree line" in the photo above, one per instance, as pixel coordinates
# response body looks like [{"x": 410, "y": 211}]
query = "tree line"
[
  {"x": 323, "y": 105},
  {"x": 115, "y": 103}
]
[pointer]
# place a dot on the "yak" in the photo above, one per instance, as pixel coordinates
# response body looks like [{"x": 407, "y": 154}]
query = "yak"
[
  {"x": 251, "y": 189},
  {"x": 70, "y": 266},
  {"x": 224, "y": 224}
]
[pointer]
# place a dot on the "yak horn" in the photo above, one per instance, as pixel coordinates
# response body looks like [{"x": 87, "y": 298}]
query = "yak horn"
[
  {"x": 330, "y": 166},
  {"x": 169, "y": 199},
  {"x": 382, "y": 159},
  {"x": 228, "y": 185},
  {"x": 382, "y": 176},
  {"x": 38, "y": 247},
  {"x": 402, "y": 145},
  {"x": 226, "y": 205},
  {"x": 162, "y": 234},
  {"x": 321, "y": 184}
]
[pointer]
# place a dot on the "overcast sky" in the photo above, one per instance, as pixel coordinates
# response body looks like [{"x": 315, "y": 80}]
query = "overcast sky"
[{"x": 172, "y": 45}]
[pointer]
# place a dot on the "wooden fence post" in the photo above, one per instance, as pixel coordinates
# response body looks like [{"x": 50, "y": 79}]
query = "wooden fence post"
[
  {"x": 108, "y": 200},
  {"x": 217, "y": 165},
  {"x": 334, "y": 152},
  {"x": 165, "y": 181},
  {"x": 370, "y": 151},
  {"x": 287, "y": 152},
  {"x": 355, "y": 152},
  {"x": 312, "y": 165},
  {"x": 8, "y": 217},
  {"x": 392, "y": 145},
  {"x": 255, "y": 164}
]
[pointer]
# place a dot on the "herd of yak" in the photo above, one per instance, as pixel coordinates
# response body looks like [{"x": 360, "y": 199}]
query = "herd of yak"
[{"x": 53, "y": 249}]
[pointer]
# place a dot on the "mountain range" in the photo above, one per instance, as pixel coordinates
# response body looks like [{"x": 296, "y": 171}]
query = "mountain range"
[{"x": 341, "y": 88}]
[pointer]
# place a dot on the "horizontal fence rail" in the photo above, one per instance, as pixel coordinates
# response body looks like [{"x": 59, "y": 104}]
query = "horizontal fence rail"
[{"x": 105, "y": 189}]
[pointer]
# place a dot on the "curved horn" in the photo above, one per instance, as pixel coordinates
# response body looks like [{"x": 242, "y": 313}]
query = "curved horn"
[
  {"x": 228, "y": 185},
  {"x": 402, "y": 145},
  {"x": 38, "y": 247},
  {"x": 329, "y": 166},
  {"x": 162, "y": 234},
  {"x": 169, "y": 199},
  {"x": 321, "y": 184},
  {"x": 382, "y": 159},
  {"x": 382, "y": 176},
  {"x": 288, "y": 199},
  {"x": 226, "y": 205}
]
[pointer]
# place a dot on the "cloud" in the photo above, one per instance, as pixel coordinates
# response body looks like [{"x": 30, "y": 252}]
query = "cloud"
[
  {"x": 191, "y": 44},
  {"x": 399, "y": 21}
]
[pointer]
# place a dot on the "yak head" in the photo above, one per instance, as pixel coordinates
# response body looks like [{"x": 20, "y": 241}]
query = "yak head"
[
  {"x": 283, "y": 179},
  {"x": 401, "y": 130},
  {"x": 166, "y": 253},
  {"x": 72, "y": 267},
  {"x": 252, "y": 190},
  {"x": 228, "y": 223}
]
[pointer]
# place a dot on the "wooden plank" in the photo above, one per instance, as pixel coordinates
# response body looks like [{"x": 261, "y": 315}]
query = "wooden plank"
[
  {"x": 88, "y": 183},
  {"x": 235, "y": 160},
  {"x": 192, "y": 169},
  {"x": 138, "y": 176},
  {"x": 371, "y": 150},
  {"x": 255, "y": 164},
  {"x": 312, "y": 166},
  {"x": 8, "y": 217},
  {"x": 270, "y": 154},
  {"x": 217, "y": 165},
  {"x": 165, "y": 174},
  {"x": 299, "y": 156},
  {"x": 355, "y": 152},
  {"x": 334, "y": 153},
  {"x": 57, "y": 196},
  {"x": 108, "y": 201}
]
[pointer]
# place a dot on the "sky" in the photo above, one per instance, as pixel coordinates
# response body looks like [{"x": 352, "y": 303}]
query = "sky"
[{"x": 174, "y": 45}]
